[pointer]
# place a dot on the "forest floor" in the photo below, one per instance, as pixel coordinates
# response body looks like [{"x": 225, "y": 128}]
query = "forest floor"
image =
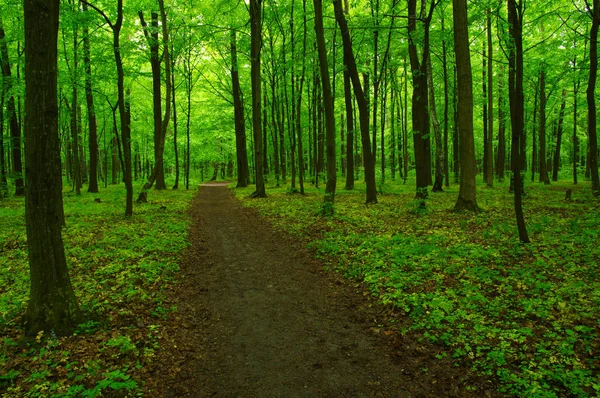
[{"x": 259, "y": 316}]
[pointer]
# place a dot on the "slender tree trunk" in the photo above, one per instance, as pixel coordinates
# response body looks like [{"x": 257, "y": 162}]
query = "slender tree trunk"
[
  {"x": 446, "y": 108},
  {"x": 574, "y": 138},
  {"x": 158, "y": 171},
  {"x": 501, "y": 158},
  {"x": 542, "y": 154},
  {"x": 52, "y": 304},
  {"x": 516, "y": 98},
  {"x": 591, "y": 99},
  {"x": 74, "y": 116},
  {"x": 361, "y": 99},
  {"x": 559, "y": 133},
  {"x": 3, "y": 181},
  {"x": 439, "y": 154},
  {"x": 420, "y": 98},
  {"x": 175, "y": 125},
  {"x": 14, "y": 128},
  {"x": 91, "y": 110},
  {"x": 328, "y": 106},
  {"x": 255, "y": 47},
  {"x": 240, "y": 124},
  {"x": 490, "y": 104}
]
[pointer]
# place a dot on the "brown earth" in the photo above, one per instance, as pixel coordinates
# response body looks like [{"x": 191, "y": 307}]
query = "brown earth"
[{"x": 259, "y": 316}]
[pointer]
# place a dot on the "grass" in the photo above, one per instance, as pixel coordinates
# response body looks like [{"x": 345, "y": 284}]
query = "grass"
[
  {"x": 526, "y": 315},
  {"x": 120, "y": 269}
]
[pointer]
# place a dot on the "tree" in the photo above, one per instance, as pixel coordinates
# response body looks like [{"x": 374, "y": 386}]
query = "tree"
[
  {"x": 467, "y": 196},
  {"x": 15, "y": 130},
  {"x": 328, "y": 103},
  {"x": 516, "y": 99},
  {"x": 52, "y": 304},
  {"x": 161, "y": 122},
  {"x": 420, "y": 97},
  {"x": 121, "y": 103},
  {"x": 361, "y": 100},
  {"x": 240, "y": 121},
  {"x": 91, "y": 110},
  {"x": 255, "y": 48},
  {"x": 591, "y": 97}
]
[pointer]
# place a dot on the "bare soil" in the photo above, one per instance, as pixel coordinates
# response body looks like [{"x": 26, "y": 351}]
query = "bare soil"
[{"x": 259, "y": 316}]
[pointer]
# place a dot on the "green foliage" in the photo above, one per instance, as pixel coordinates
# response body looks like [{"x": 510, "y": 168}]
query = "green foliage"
[
  {"x": 526, "y": 315},
  {"x": 120, "y": 269}
]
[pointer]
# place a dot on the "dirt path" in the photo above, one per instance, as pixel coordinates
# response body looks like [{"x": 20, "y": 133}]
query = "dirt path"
[{"x": 259, "y": 317}]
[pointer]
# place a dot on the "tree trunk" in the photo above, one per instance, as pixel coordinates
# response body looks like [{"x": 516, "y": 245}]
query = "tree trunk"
[
  {"x": 52, "y": 304},
  {"x": 329, "y": 111},
  {"x": 467, "y": 197},
  {"x": 91, "y": 110},
  {"x": 240, "y": 123},
  {"x": 591, "y": 99},
  {"x": 542, "y": 153},
  {"x": 151, "y": 34},
  {"x": 15, "y": 130},
  {"x": 490, "y": 104},
  {"x": 175, "y": 125},
  {"x": 74, "y": 116},
  {"x": 559, "y": 132},
  {"x": 3, "y": 181},
  {"x": 361, "y": 100},
  {"x": 446, "y": 107},
  {"x": 515, "y": 87},
  {"x": 420, "y": 97},
  {"x": 439, "y": 154},
  {"x": 152, "y": 37},
  {"x": 501, "y": 158},
  {"x": 255, "y": 47}
]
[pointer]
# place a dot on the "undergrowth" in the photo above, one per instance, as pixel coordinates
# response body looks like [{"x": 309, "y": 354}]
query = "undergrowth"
[
  {"x": 120, "y": 269},
  {"x": 526, "y": 315}
]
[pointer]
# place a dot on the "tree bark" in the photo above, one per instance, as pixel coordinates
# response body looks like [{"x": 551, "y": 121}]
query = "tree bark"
[
  {"x": 361, "y": 100},
  {"x": 52, "y": 304},
  {"x": 91, "y": 111},
  {"x": 559, "y": 133},
  {"x": 14, "y": 128},
  {"x": 542, "y": 142},
  {"x": 255, "y": 48},
  {"x": 490, "y": 104},
  {"x": 328, "y": 106},
  {"x": 240, "y": 123},
  {"x": 591, "y": 99},
  {"x": 467, "y": 197},
  {"x": 420, "y": 97},
  {"x": 515, "y": 87}
]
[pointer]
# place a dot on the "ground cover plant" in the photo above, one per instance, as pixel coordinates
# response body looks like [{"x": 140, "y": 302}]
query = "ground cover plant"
[
  {"x": 524, "y": 314},
  {"x": 120, "y": 268}
]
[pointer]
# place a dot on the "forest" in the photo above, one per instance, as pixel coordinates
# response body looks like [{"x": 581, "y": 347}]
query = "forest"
[{"x": 416, "y": 178}]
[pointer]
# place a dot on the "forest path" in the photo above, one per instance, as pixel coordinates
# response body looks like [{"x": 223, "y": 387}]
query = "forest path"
[{"x": 259, "y": 317}]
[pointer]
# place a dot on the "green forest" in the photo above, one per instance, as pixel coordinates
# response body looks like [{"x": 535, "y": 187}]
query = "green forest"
[{"x": 299, "y": 198}]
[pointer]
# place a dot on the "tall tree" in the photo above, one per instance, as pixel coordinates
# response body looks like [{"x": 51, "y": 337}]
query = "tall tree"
[
  {"x": 15, "y": 129},
  {"x": 361, "y": 101},
  {"x": 543, "y": 161},
  {"x": 467, "y": 196},
  {"x": 328, "y": 105},
  {"x": 240, "y": 121},
  {"x": 591, "y": 97},
  {"x": 517, "y": 102},
  {"x": 52, "y": 304},
  {"x": 91, "y": 110},
  {"x": 420, "y": 97},
  {"x": 121, "y": 103},
  {"x": 160, "y": 122},
  {"x": 255, "y": 48},
  {"x": 559, "y": 133},
  {"x": 489, "y": 178}
]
